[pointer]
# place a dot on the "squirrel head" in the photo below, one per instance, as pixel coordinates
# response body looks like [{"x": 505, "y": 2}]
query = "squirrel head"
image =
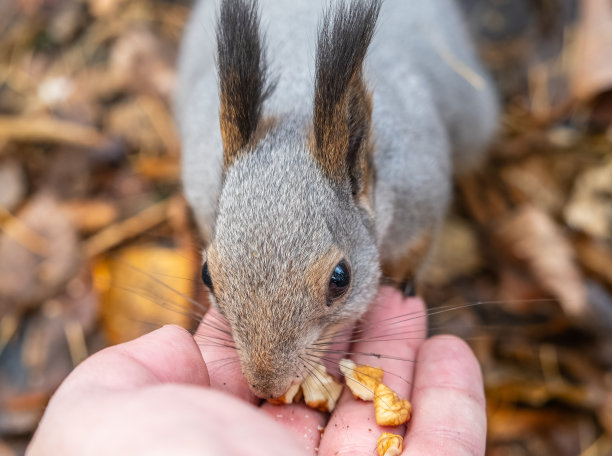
[{"x": 293, "y": 255}]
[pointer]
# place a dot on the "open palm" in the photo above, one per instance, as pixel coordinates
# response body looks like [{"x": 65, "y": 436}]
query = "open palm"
[{"x": 159, "y": 395}]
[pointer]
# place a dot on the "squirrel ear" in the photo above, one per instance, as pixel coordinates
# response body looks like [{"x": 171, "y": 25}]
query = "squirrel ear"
[
  {"x": 242, "y": 75},
  {"x": 342, "y": 104}
]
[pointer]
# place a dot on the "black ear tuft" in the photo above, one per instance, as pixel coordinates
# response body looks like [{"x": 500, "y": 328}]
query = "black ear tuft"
[
  {"x": 342, "y": 106},
  {"x": 242, "y": 74}
]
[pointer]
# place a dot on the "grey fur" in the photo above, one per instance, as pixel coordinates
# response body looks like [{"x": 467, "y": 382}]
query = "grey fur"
[{"x": 274, "y": 215}]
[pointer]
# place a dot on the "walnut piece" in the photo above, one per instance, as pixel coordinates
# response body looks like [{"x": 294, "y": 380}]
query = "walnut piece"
[
  {"x": 293, "y": 394},
  {"x": 389, "y": 444},
  {"x": 362, "y": 380},
  {"x": 390, "y": 410},
  {"x": 321, "y": 390}
]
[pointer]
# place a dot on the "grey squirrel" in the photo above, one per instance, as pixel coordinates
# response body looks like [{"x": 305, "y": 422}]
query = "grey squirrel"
[{"x": 318, "y": 158}]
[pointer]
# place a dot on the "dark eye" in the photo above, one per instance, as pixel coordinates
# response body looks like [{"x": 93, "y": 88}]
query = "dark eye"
[
  {"x": 206, "y": 276},
  {"x": 338, "y": 282}
]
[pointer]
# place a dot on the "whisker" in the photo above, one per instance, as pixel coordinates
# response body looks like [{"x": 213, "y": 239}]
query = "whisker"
[
  {"x": 213, "y": 343},
  {"x": 411, "y": 316},
  {"x": 157, "y": 299},
  {"x": 315, "y": 374},
  {"x": 405, "y": 380},
  {"x": 374, "y": 355},
  {"x": 166, "y": 286},
  {"x": 372, "y": 338}
]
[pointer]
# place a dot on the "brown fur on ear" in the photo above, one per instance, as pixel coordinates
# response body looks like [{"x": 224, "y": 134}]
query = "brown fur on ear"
[
  {"x": 242, "y": 75},
  {"x": 342, "y": 104}
]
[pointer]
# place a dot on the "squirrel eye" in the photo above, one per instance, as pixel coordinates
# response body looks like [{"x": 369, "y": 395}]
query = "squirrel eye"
[
  {"x": 206, "y": 276},
  {"x": 338, "y": 282}
]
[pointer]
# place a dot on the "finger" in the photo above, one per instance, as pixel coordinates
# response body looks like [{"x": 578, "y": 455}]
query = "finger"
[
  {"x": 303, "y": 422},
  {"x": 166, "y": 355},
  {"x": 394, "y": 329},
  {"x": 448, "y": 401},
  {"x": 164, "y": 419},
  {"x": 218, "y": 349}
]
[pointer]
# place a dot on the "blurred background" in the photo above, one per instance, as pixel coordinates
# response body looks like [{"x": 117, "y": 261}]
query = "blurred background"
[{"x": 97, "y": 245}]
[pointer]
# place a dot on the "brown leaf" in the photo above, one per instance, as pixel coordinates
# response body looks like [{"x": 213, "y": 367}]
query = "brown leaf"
[
  {"x": 590, "y": 207},
  {"x": 49, "y": 129},
  {"x": 596, "y": 257},
  {"x": 141, "y": 61},
  {"x": 143, "y": 287},
  {"x": 38, "y": 252},
  {"x": 12, "y": 183},
  {"x": 90, "y": 215},
  {"x": 457, "y": 253},
  {"x": 592, "y": 51},
  {"x": 533, "y": 238}
]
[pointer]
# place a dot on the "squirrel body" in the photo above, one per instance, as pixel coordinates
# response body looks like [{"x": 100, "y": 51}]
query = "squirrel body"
[{"x": 306, "y": 159}]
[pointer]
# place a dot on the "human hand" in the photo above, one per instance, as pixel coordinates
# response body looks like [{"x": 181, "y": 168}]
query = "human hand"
[
  {"x": 440, "y": 376},
  {"x": 148, "y": 396}
]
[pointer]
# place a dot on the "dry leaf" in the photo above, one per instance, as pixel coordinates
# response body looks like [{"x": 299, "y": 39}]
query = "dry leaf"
[
  {"x": 90, "y": 215},
  {"x": 592, "y": 51},
  {"x": 532, "y": 237},
  {"x": 50, "y": 130},
  {"x": 38, "y": 252},
  {"x": 140, "y": 61},
  {"x": 457, "y": 253},
  {"x": 590, "y": 207},
  {"x": 130, "y": 120},
  {"x": 143, "y": 287},
  {"x": 12, "y": 183}
]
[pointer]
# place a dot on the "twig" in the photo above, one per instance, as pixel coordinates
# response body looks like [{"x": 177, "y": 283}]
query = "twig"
[
  {"x": 49, "y": 129},
  {"x": 23, "y": 234},
  {"x": 120, "y": 231}
]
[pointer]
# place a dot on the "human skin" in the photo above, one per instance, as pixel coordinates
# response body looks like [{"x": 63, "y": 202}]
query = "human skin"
[{"x": 156, "y": 395}]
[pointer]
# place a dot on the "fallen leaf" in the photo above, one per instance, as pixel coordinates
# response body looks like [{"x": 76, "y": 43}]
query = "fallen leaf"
[
  {"x": 142, "y": 62},
  {"x": 49, "y": 129},
  {"x": 143, "y": 287},
  {"x": 531, "y": 236},
  {"x": 38, "y": 252},
  {"x": 12, "y": 183},
  {"x": 90, "y": 215},
  {"x": 592, "y": 51},
  {"x": 457, "y": 253},
  {"x": 590, "y": 207}
]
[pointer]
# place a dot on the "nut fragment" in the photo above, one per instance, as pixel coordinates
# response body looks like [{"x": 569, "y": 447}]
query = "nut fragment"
[
  {"x": 389, "y": 444},
  {"x": 361, "y": 380},
  {"x": 292, "y": 395},
  {"x": 321, "y": 391},
  {"x": 390, "y": 410}
]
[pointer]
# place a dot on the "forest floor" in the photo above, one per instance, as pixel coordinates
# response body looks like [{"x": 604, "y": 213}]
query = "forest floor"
[{"x": 97, "y": 245}]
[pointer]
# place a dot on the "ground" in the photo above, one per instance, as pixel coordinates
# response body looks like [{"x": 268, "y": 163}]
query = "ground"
[{"x": 97, "y": 245}]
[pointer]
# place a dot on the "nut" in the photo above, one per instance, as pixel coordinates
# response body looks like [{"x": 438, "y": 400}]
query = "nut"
[
  {"x": 390, "y": 410},
  {"x": 362, "y": 380},
  {"x": 292, "y": 395},
  {"x": 321, "y": 391},
  {"x": 389, "y": 444}
]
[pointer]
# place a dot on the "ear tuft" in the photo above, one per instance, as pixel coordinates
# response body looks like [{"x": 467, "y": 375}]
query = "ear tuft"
[
  {"x": 342, "y": 104},
  {"x": 242, "y": 75}
]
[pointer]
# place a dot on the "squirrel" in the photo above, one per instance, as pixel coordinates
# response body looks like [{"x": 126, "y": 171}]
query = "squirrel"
[{"x": 318, "y": 158}]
